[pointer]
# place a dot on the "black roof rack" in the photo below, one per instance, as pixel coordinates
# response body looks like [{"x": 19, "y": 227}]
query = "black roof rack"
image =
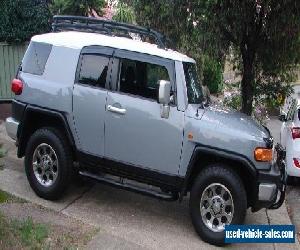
[{"x": 95, "y": 25}]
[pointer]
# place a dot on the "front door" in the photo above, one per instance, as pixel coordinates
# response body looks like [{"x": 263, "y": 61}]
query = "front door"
[{"x": 135, "y": 133}]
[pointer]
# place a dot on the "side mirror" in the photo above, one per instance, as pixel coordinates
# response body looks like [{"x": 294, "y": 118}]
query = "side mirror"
[
  {"x": 282, "y": 118},
  {"x": 164, "y": 93}
]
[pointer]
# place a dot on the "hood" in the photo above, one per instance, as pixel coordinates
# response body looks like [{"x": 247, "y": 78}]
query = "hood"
[{"x": 222, "y": 117}]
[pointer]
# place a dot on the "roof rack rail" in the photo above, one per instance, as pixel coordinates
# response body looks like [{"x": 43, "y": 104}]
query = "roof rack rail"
[{"x": 91, "y": 24}]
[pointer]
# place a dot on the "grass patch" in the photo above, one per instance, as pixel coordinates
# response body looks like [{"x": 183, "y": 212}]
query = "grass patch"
[
  {"x": 5, "y": 197},
  {"x": 2, "y": 151},
  {"x": 31, "y": 234},
  {"x": 20, "y": 234}
]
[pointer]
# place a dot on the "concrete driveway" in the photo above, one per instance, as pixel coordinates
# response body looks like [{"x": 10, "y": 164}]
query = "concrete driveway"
[{"x": 126, "y": 220}]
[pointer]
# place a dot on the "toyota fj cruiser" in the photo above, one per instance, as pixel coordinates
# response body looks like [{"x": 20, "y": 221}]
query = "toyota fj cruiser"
[{"x": 132, "y": 114}]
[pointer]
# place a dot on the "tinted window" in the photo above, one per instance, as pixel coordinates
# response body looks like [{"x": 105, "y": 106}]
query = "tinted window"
[
  {"x": 140, "y": 78},
  {"x": 193, "y": 85},
  {"x": 93, "y": 70},
  {"x": 36, "y": 57}
]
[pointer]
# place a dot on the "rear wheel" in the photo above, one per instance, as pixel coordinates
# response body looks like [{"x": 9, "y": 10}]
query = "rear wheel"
[
  {"x": 48, "y": 163},
  {"x": 218, "y": 198}
]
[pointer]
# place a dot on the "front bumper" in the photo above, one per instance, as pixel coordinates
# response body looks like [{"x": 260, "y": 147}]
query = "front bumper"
[
  {"x": 271, "y": 184},
  {"x": 11, "y": 126}
]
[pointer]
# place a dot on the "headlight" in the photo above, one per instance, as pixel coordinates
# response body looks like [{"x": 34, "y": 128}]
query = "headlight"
[{"x": 263, "y": 154}]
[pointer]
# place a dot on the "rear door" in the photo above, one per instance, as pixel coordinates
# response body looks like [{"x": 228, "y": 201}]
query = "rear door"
[{"x": 89, "y": 98}]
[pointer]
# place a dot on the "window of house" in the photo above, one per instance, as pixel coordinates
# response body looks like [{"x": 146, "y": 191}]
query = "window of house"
[
  {"x": 93, "y": 70},
  {"x": 141, "y": 78}
]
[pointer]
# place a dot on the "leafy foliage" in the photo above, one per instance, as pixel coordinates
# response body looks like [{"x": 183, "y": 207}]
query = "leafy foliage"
[
  {"x": 264, "y": 35},
  {"x": 77, "y": 7},
  {"x": 124, "y": 13},
  {"x": 212, "y": 75},
  {"x": 21, "y": 19}
]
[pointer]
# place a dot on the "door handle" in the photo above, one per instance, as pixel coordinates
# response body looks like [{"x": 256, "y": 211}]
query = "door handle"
[{"x": 116, "y": 110}]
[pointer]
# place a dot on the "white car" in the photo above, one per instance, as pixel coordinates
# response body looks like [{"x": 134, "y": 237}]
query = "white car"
[{"x": 290, "y": 137}]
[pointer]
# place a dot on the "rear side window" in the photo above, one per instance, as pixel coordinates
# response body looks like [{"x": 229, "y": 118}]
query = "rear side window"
[
  {"x": 93, "y": 70},
  {"x": 36, "y": 57}
]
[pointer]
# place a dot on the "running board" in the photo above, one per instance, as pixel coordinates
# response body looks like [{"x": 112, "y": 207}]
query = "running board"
[{"x": 130, "y": 187}]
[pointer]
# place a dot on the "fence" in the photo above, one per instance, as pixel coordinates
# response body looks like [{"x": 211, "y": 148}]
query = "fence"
[{"x": 10, "y": 58}]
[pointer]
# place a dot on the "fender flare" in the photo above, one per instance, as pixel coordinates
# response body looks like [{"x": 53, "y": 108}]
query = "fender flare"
[
  {"x": 218, "y": 152},
  {"x": 49, "y": 113}
]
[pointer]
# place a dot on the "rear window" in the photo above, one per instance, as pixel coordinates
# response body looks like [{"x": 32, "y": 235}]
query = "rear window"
[{"x": 36, "y": 57}]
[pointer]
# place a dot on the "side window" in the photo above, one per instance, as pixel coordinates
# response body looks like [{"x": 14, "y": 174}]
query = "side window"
[
  {"x": 93, "y": 70},
  {"x": 140, "y": 78},
  {"x": 35, "y": 58}
]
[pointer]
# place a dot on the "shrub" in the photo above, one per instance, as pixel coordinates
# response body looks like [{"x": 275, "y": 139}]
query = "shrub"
[
  {"x": 21, "y": 19},
  {"x": 212, "y": 75}
]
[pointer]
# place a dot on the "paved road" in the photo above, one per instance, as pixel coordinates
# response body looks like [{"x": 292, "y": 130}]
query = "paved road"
[{"x": 127, "y": 220}]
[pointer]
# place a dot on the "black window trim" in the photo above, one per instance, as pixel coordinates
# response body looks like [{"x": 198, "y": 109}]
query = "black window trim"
[{"x": 97, "y": 51}]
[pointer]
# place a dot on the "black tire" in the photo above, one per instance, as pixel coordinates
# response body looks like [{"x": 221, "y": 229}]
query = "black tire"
[
  {"x": 59, "y": 144},
  {"x": 217, "y": 173}
]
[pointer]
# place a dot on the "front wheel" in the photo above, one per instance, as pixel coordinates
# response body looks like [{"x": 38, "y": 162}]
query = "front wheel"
[
  {"x": 218, "y": 198},
  {"x": 48, "y": 163}
]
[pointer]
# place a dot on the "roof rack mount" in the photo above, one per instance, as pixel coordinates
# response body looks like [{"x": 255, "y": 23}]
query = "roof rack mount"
[{"x": 91, "y": 24}]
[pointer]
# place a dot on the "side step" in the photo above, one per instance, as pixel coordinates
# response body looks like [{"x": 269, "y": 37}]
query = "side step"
[{"x": 128, "y": 186}]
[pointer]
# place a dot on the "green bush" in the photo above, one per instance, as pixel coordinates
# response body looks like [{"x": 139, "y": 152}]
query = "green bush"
[
  {"x": 77, "y": 7},
  {"x": 21, "y": 19},
  {"x": 212, "y": 75}
]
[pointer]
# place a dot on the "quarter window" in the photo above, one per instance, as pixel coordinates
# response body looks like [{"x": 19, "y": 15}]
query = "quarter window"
[
  {"x": 93, "y": 70},
  {"x": 141, "y": 78},
  {"x": 35, "y": 58}
]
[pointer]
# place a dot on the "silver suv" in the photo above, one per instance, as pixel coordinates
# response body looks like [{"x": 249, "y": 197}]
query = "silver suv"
[{"x": 132, "y": 114}]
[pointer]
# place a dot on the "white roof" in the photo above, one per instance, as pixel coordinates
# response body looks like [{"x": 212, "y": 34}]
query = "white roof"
[{"x": 78, "y": 40}]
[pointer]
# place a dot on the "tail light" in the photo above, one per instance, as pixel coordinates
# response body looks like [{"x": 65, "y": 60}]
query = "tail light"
[
  {"x": 295, "y": 132},
  {"x": 17, "y": 86},
  {"x": 296, "y": 162}
]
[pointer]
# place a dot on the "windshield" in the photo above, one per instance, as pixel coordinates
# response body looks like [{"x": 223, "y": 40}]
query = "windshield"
[{"x": 193, "y": 85}]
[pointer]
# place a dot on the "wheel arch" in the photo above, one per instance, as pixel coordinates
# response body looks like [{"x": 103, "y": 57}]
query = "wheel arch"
[
  {"x": 204, "y": 156},
  {"x": 35, "y": 118}
]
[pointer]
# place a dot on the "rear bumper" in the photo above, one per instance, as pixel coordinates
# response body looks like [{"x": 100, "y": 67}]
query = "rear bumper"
[
  {"x": 12, "y": 126},
  {"x": 271, "y": 184}
]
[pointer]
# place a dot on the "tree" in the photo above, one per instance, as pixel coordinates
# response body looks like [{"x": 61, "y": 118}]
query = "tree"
[
  {"x": 77, "y": 7},
  {"x": 264, "y": 35},
  {"x": 21, "y": 19},
  {"x": 124, "y": 13},
  {"x": 173, "y": 19}
]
